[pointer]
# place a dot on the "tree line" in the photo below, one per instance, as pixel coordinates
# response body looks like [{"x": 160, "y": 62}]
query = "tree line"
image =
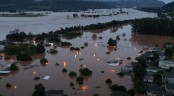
[{"x": 154, "y": 26}]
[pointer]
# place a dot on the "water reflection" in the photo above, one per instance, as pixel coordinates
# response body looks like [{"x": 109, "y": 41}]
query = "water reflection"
[{"x": 94, "y": 57}]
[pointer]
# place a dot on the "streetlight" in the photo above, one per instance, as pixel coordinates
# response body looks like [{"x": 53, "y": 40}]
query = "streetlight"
[{"x": 14, "y": 89}]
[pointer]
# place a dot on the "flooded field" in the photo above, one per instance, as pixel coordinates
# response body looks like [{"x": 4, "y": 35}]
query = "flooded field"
[
  {"x": 54, "y": 21},
  {"x": 93, "y": 57}
]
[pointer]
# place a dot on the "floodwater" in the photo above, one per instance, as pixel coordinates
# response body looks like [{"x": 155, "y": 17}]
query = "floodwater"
[
  {"x": 54, "y": 21},
  {"x": 94, "y": 56}
]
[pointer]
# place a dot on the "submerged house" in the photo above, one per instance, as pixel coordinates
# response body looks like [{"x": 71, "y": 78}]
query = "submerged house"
[
  {"x": 166, "y": 64},
  {"x": 55, "y": 93}
]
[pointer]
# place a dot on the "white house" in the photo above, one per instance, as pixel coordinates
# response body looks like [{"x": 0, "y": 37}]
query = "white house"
[
  {"x": 166, "y": 64},
  {"x": 153, "y": 69}
]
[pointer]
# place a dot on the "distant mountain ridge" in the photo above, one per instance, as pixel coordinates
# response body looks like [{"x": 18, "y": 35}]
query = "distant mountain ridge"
[
  {"x": 53, "y": 5},
  {"x": 134, "y": 3},
  {"x": 169, "y": 7},
  {"x": 73, "y": 5}
]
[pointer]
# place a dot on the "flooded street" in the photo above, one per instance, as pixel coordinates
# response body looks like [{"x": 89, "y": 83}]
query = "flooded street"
[{"x": 94, "y": 57}]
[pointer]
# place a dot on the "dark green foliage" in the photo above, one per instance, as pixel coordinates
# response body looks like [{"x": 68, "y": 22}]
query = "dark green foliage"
[
  {"x": 131, "y": 92},
  {"x": 64, "y": 70},
  {"x": 16, "y": 49},
  {"x": 30, "y": 50},
  {"x": 141, "y": 60},
  {"x": 40, "y": 48},
  {"x": 120, "y": 74},
  {"x": 140, "y": 89},
  {"x": 77, "y": 49},
  {"x": 71, "y": 84},
  {"x": 79, "y": 80},
  {"x": 8, "y": 85},
  {"x": 24, "y": 57},
  {"x": 108, "y": 81},
  {"x": 169, "y": 52},
  {"x": 13, "y": 67},
  {"x": 112, "y": 42},
  {"x": 158, "y": 78},
  {"x": 11, "y": 49},
  {"x": 72, "y": 48},
  {"x": 86, "y": 44},
  {"x": 70, "y": 34},
  {"x": 153, "y": 26},
  {"x": 39, "y": 90},
  {"x": 16, "y": 36},
  {"x": 139, "y": 72},
  {"x": 66, "y": 44},
  {"x": 72, "y": 74},
  {"x": 39, "y": 37},
  {"x": 85, "y": 72},
  {"x": 7, "y": 57},
  {"x": 100, "y": 37},
  {"x": 36, "y": 78},
  {"x": 43, "y": 60},
  {"x": 118, "y": 88}
]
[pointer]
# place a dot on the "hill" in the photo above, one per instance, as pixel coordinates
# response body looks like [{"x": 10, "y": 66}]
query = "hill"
[
  {"x": 52, "y": 5},
  {"x": 168, "y": 7}
]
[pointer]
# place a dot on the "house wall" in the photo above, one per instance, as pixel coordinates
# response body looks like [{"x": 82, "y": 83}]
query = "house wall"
[
  {"x": 170, "y": 80},
  {"x": 166, "y": 64}
]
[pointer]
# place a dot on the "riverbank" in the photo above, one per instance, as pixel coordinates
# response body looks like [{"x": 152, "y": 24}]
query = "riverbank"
[{"x": 57, "y": 20}]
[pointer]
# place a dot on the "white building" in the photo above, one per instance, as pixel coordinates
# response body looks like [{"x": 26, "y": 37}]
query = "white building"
[{"x": 166, "y": 64}]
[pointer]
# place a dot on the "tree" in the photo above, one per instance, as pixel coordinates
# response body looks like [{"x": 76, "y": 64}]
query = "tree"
[
  {"x": 141, "y": 60},
  {"x": 39, "y": 90},
  {"x": 30, "y": 50},
  {"x": 40, "y": 48},
  {"x": 24, "y": 57},
  {"x": 8, "y": 85},
  {"x": 85, "y": 72},
  {"x": 131, "y": 92},
  {"x": 118, "y": 88},
  {"x": 72, "y": 74},
  {"x": 13, "y": 67},
  {"x": 169, "y": 52},
  {"x": 140, "y": 89},
  {"x": 112, "y": 42},
  {"x": 43, "y": 60},
  {"x": 139, "y": 72},
  {"x": 157, "y": 78},
  {"x": 108, "y": 81}
]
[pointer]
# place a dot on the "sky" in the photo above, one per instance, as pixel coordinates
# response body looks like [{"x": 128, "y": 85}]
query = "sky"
[{"x": 167, "y": 1}]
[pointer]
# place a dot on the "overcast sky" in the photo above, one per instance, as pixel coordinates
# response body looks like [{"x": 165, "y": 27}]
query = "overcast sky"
[{"x": 167, "y": 1}]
